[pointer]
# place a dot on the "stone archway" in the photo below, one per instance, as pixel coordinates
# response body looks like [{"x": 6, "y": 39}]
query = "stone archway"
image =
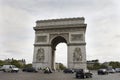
[
  {"x": 48, "y": 33},
  {"x": 54, "y": 43}
]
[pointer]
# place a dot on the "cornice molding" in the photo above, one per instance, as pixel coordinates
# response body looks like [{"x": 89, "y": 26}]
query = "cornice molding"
[
  {"x": 61, "y": 19},
  {"x": 61, "y": 26}
]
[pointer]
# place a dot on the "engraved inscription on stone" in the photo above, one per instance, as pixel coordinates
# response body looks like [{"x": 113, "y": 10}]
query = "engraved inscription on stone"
[
  {"x": 76, "y": 37},
  {"x": 40, "y": 55},
  {"x": 77, "y": 55},
  {"x": 41, "y": 39}
]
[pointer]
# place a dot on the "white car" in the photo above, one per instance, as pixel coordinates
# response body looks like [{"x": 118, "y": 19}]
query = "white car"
[
  {"x": 0, "y": 68},
  {"x": 117, "y": 69},
  {"x": 111, "y": 71},
  {"x": 10, "y": 68}
]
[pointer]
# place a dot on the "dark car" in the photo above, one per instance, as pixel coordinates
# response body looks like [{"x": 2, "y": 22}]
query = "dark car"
[
  {"x": 83, "y": 74},
  {"x": 68, "y": 71},
  {"x": 30, "y": 69},
  {"x": 102, "y": 71},
  {"x": 77, "y": 70}
]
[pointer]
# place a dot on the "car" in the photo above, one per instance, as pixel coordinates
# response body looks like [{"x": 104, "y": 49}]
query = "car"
[
  {"x": 0, "y": 68},
  {"x": 9, "y": 68},
  {"x": 117, "y": 69},
  {"x": 102, "y": 72},
  {"x": 29, "y": 69},
  {"x": 68, "y": 71},
  {"x": 110, "y": 70},
  {"x": 83, "y": 74},
  {"x": 76, "y": 70}
]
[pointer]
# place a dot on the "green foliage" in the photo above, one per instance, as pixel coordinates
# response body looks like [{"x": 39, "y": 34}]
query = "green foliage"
[
  {"x": 90, "y": 68},
  {"x": 16, "y": 63},
  {"x": 1, "y": 63},
  {"x": 96, "y": 66},
  {"x": 28, "y": 65},
  {"x": 96, "y": 61},
  {"x": 11, "y": 62},
  {"x": 103, "y": 66},
  {"x": 93, "y": 64},
  {"x": 115, "y": 64},
  {"x": 61, "y": 66}
]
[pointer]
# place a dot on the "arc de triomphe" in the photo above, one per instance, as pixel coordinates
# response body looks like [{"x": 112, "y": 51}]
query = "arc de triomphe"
[{"x": 49, "y": 33}]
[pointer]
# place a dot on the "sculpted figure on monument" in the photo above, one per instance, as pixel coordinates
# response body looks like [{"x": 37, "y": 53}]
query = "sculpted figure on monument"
[
  {"x": 77, "y": 55},
  {"x": 40, "y": 55}
]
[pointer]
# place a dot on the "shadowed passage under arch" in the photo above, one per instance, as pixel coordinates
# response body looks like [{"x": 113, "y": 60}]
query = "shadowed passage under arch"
[{"x": 54, "y": 43}]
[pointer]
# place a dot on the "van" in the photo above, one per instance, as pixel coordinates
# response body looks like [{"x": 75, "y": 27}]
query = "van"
[{"x": 10, "y": 68}]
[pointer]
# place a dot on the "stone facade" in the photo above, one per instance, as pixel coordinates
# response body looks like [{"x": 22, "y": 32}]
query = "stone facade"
[{"x": 49, "y": 33}]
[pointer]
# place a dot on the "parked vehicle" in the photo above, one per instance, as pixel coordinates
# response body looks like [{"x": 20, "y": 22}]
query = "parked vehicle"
[
  {"x": 76, "y": 70},
  {"x": 0, "y": 68},
  {"x": 83, "y": 74},
  {"x": 102, "y": 72},
  {"x": 111, "y": 71},
  {"x": 68, "y": 71},
  {"x": 117, "y": 69},
  {"x": 10, "y": 68},
  {"x": 30, "y": 69}
]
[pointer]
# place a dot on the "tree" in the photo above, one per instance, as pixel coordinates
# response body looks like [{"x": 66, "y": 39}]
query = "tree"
[
  {"x": 2, "y": 62},
  {"x": 103, "y": 66},
  {"x": 93, "y": 64},
  {"x": 90, "y": 67},
  {"x": 16, "y": 63},
  {"x": 114, "y": 64},
  {"x": 96, "y": 61},
  {"x": 28, "y": 65},
  {"x": 96, "y": 66},
  {"x": 61, "y": 66}
]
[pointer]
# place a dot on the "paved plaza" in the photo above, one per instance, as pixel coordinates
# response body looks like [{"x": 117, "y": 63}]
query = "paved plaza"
[{"x": 54, "y": 76}]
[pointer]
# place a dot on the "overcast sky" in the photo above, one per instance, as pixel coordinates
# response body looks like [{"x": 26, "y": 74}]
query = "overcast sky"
[{"x": 17, "y": 19}]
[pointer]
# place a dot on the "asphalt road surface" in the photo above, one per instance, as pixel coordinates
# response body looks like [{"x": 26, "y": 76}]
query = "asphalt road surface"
[{"x": 54, "y": 76}]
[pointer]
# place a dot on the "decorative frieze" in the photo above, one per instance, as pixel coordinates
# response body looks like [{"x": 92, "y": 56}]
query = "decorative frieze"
[
  {"x": 41, "y": 39},
  {"x": 63, "y": 30},
  {"x": 76, "y": 37}
]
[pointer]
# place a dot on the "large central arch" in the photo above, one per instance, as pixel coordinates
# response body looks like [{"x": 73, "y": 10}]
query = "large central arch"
[
  {"x": 49, "y": 33},
  {"x": 54, "y": 43}
]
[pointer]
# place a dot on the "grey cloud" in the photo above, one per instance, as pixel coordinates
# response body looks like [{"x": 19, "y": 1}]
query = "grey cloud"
[
  {"x": 41, "y": 6},
  {"x": 12, "y": 52},
  {"x": 117, "y": 36}
]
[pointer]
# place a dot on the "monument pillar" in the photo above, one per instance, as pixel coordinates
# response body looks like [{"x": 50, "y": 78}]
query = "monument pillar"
[{"x": 76, "y": 57}]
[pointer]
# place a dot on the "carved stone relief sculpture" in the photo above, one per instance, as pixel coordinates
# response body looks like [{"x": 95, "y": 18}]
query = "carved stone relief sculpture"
[
  {"x": 77, "y": 55},
  {"x": 40, "y": 55}
]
